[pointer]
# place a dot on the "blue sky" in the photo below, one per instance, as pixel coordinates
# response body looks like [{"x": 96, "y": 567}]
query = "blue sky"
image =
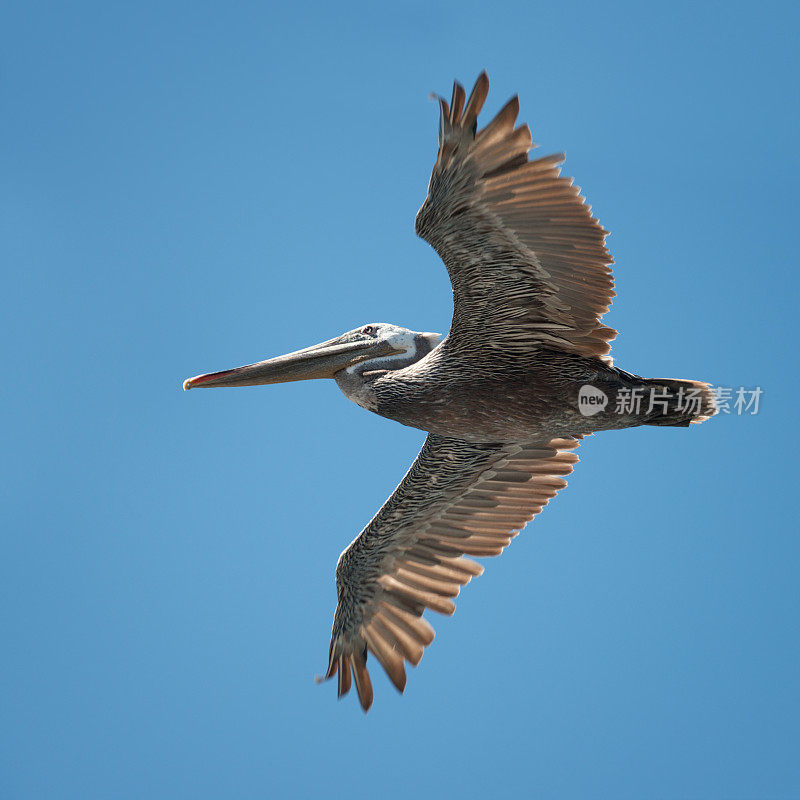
[{"x": 189, "y": 186}]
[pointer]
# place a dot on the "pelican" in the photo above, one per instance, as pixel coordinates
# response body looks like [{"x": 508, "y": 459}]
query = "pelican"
[{"x": 505, "y": 397}]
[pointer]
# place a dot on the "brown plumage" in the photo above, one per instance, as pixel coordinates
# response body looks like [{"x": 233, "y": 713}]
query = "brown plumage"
[
  {"x": 525, "y": 255},
  {"x": 457, "y": 500},
  {"x": 531, "y": 278},
  {"x": 499, "y": 396}
]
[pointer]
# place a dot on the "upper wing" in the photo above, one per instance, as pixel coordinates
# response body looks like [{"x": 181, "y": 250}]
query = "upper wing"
[
  {"x": 458, "y": 498},
  {"x": 526, "y": 258}
]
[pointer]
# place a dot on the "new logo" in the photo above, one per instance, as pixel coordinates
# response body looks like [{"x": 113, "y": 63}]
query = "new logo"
[{"x": 591, "y": 400}]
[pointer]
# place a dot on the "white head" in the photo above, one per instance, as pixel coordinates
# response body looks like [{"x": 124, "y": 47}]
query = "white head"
[{"x": 407, "y": 346}]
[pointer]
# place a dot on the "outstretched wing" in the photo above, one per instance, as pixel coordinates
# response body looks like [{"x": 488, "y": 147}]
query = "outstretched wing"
[
  {"x": 458, "y": 499},
  {"x": 526, "y": 258}
]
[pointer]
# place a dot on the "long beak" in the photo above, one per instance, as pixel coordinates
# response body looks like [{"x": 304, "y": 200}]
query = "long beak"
[{"x": 320, "y": 361}]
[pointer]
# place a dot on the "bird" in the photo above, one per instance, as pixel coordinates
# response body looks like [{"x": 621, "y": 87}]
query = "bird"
[{"x": 523, "y": 375}]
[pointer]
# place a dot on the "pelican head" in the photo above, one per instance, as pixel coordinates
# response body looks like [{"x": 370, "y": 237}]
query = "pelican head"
[{"x": 378, "y": 346}]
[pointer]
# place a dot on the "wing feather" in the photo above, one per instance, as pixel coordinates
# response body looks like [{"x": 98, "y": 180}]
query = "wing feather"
[
  {"x": 526, "y": 258},
  {"x": 458, "y": 499}
]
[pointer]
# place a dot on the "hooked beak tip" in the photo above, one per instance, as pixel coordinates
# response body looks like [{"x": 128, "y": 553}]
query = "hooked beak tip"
[{"x": 209, "y": 379}]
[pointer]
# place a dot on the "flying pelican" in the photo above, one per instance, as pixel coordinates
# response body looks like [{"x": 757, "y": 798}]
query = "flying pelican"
[{"x": 505, "y": 397}]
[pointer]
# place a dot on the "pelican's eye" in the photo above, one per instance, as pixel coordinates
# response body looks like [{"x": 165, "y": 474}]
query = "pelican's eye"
[{"x": 368, "y": 329}]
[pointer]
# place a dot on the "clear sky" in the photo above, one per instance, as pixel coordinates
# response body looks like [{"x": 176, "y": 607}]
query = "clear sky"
[{"x": 191, "y": 186}]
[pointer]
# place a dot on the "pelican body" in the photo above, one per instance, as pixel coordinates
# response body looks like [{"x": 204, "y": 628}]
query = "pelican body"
[{"x": 500, "y": 396}]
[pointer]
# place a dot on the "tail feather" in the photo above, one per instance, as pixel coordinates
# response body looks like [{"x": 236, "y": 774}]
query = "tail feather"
[{"x": 679, "y": 401}]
